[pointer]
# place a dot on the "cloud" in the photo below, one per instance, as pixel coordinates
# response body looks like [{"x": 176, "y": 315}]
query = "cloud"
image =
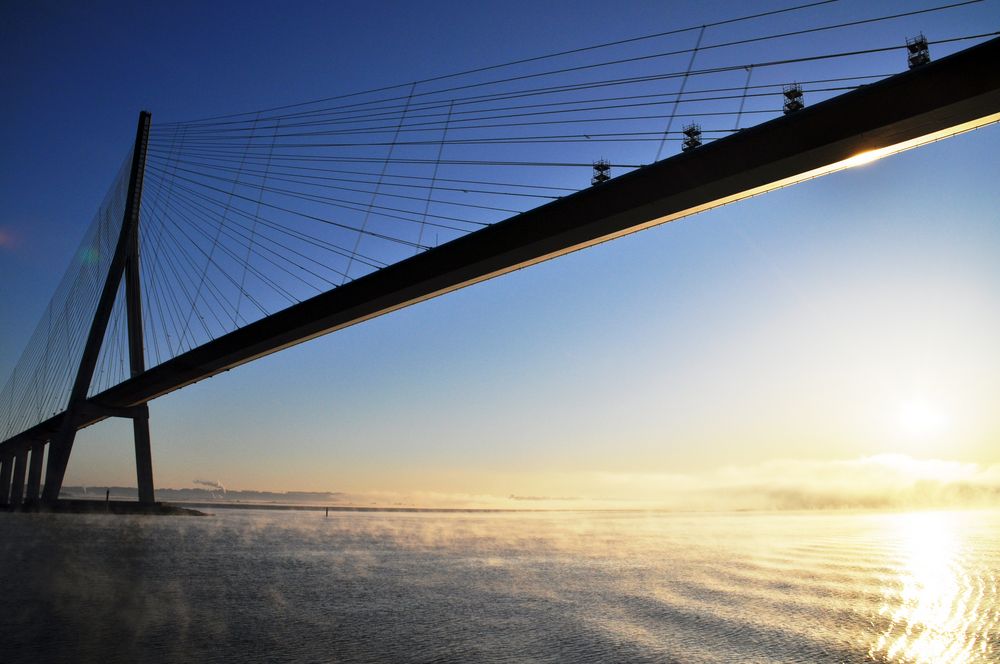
[{"x": 885, "y": 481}]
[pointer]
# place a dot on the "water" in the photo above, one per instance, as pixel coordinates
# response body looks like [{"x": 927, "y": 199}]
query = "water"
[{"x": 267, "y": 586}]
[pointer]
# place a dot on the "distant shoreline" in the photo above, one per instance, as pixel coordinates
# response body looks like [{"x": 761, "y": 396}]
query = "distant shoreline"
[
  {"x": 75, "y": 506},
  {"x": 348, "y": 508}
]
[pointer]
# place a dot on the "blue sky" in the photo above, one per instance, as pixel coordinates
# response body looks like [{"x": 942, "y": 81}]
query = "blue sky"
[{"x": 791, "y": 325}]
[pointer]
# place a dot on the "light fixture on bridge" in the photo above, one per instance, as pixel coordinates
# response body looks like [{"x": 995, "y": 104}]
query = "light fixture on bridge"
[
  {"x": 692, "y": 137},
  {"x": 794, "y": 98},
  {"x": 918, "y": 52},
  {"x": 602, "y": 172}
]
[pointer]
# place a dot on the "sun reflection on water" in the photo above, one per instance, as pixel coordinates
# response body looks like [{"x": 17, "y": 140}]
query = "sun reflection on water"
[{"x": 934, "y": 607}]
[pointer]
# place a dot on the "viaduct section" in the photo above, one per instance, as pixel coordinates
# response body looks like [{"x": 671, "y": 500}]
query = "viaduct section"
[{"x": 955, "y": 94}]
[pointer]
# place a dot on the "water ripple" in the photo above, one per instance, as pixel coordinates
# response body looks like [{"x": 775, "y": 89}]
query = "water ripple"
[{"x": 529, "y": 587}]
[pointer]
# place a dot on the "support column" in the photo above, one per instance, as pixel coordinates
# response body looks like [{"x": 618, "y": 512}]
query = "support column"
[
  {"x": 20, "y": 469},
  {"x": 6, "y": 466},
  {"x": 35, "y": 472},
  {"x": 137, "y": 359},
  {"x": 143, "y": 458},
  {"x": 59, "y": 448}
]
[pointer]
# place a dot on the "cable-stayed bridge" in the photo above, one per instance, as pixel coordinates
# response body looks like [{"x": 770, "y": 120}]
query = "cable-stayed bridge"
[{"x": 228, "y": 238}]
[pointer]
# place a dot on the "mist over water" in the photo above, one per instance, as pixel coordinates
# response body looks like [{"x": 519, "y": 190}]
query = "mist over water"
[{"x": 502, "y": 587}]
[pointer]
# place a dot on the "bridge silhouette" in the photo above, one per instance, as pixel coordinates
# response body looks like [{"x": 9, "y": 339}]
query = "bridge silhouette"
[{"x": 120, "y": 332}]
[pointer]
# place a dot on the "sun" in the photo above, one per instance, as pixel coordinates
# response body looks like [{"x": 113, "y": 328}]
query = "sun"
[{"x": 920, "y": 418}]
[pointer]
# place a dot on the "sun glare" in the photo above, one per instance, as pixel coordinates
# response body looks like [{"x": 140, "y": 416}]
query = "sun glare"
[
  {"x": 862, "y": 158},
  {"x": 930, "y": 600},
  {"x": 919, "y": 418}
]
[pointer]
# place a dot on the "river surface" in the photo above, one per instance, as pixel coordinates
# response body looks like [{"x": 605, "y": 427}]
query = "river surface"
[{"x": 274, "y": 586}]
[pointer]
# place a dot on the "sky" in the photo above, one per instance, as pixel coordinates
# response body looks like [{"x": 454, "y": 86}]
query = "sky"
[{"x": 816, "y": 338}]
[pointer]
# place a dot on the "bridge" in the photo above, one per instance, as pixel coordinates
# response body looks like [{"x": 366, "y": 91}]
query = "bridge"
[{"x": 121, "y": 332}]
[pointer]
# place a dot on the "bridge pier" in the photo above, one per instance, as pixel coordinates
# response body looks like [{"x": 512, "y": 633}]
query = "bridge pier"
[
  {"x": 32, "y": 493},
  {"x": 6, "y": 466},
  {"x": 55, "y": 468},
  {"x": 20, "y": 470},
  {"x": 143, "y": 457}
]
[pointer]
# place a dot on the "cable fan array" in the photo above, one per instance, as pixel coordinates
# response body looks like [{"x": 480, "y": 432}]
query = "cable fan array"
[
  {"x": 41, "y": 381},
  {"x": 246, "y": 214}
]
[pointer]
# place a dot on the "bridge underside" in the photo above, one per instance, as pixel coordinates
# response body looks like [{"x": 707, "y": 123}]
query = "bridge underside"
[{"x": 940, "y": 99}]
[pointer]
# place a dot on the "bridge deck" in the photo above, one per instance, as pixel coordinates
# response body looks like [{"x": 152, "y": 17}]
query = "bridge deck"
[{"x": 952, "y": 95}]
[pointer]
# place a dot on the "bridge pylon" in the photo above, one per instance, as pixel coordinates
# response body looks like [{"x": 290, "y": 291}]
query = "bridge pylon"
[{"x": 124, "y": 265}]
